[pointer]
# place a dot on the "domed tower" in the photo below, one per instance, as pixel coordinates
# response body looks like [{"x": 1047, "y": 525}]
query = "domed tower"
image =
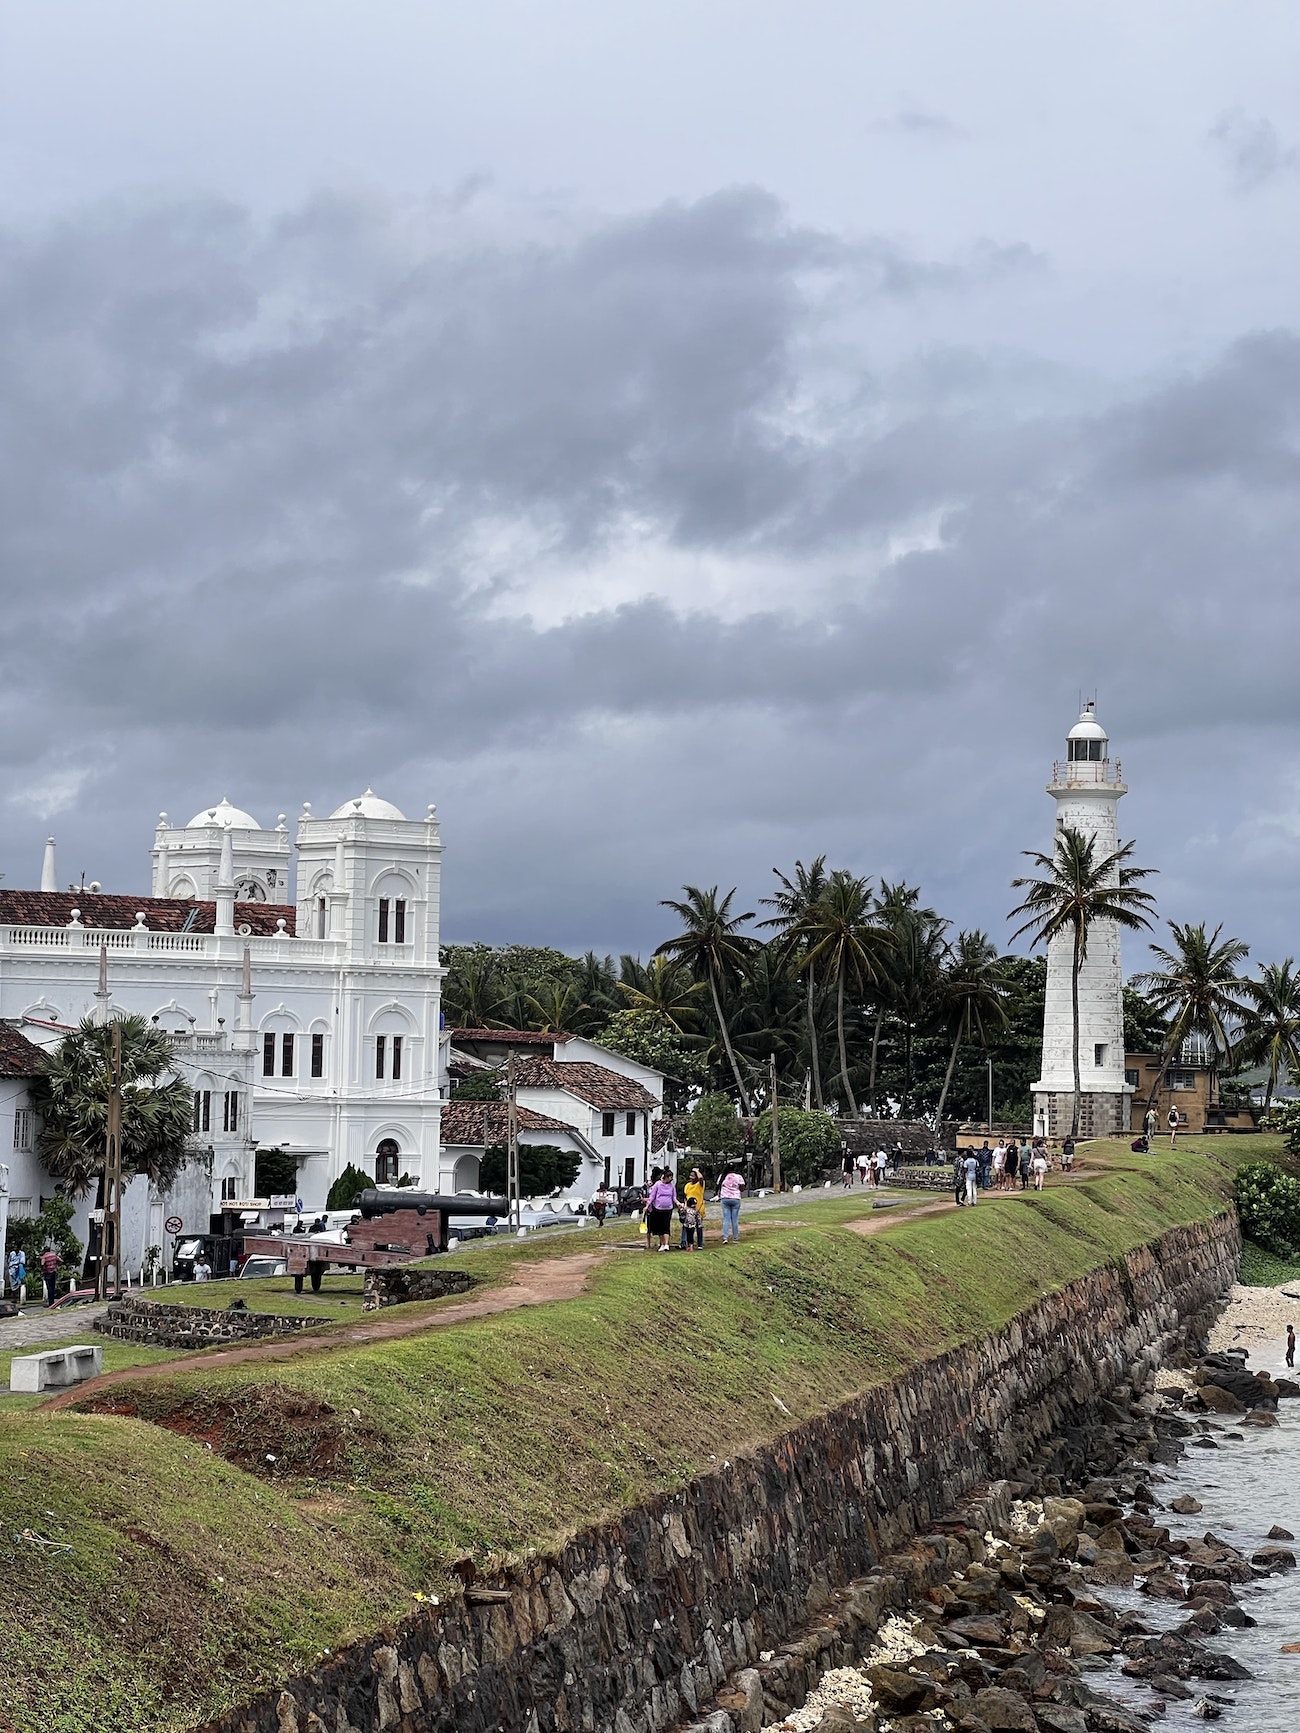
[
  {"x": 1087, "y": 789},
  {"x": 187, "y": 859}
]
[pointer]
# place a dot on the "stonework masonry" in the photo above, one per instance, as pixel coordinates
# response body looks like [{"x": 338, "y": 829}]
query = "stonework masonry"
[
  {"x": 154, "y": 1325},
  {"x": 638, "y": 1624}
]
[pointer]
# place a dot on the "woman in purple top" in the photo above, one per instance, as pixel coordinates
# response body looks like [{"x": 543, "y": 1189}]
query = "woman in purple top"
[
  {"x": 729, "y": 1191},
  {"x": 660, "y": 1205}
]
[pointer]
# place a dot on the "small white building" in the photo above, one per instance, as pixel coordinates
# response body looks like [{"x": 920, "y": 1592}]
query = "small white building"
[{"x": 1087, "y": 788}]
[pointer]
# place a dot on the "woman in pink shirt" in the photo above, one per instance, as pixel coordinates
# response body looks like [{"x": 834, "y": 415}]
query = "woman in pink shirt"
[{"x": 729, "y": 1191}]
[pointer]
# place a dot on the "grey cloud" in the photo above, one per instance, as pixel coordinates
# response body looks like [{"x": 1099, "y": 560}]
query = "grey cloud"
[
  {"x": 1252, "y": 150},
  {"x": 272, "y": 484},
  {"x": 912, "y": 122}
]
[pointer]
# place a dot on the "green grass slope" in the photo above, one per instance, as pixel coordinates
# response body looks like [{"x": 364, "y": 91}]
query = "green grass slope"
[{"x": 247, "y": 1520}]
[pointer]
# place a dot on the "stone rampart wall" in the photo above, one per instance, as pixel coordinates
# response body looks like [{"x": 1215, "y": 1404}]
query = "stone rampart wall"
[
  {"x": 635, "y": 1625},
  {"x": 397, "y": 1286},
  {"x": 154, "y": 1325}
]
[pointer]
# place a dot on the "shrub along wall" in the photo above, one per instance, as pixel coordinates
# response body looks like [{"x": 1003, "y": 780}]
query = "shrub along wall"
[{"x": 634, "y": 1625}]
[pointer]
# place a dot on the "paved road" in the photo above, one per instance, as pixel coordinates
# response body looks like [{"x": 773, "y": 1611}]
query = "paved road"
[{"x": 37, "y": 1326}]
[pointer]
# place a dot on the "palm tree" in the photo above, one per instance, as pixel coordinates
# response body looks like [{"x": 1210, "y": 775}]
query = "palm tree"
[
  {"x": 715, "y": 950},
  {"x": 662, "y": 986},
  {"x": 976, "y": 992},
  {"x": 1199, "y": 989},
  {"x": 1271, "y": 1032},
  {"x": 794, "y": 904},
  {"x": 895, "y": 905},
  {"x": 841, "y": 930},
  {"x": 915, "y": 982},
  {"x": 1076, "y": 891},
  {"x": 555, "y": 1007},
  {"x": 72, "y": 1098}
]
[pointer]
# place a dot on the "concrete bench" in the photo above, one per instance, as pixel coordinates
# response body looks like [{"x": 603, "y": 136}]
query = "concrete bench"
[{"x": 54, "y": 1369}]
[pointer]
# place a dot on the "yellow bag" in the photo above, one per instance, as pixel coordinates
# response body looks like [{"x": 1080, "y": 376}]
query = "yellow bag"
[{"x": 643, "y": 1226}]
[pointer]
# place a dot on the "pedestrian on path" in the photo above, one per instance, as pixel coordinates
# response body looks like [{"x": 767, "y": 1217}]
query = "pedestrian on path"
[
  {"x": 1040, "y": 1169},
  {"x": 864, "y": 1167},
  {"x": 971, "y": 1167},
  {"x": 846, "y": 1168},
  {"x": 1173, "y": 1126},
  {"x": 1150, "y": 1124},
  {"x": 50, "y": 1274},
  {"x": 694, "y": 1188},
  {"x": 660, "y": 1206},
  {"x": 600, "y": 1203},
  {"x": 1067, "y": 1153},
  {"x": 959, "y": 1177},
  {"x": 729, "y": 1191},
  {"x": 18, "y": 1272}
]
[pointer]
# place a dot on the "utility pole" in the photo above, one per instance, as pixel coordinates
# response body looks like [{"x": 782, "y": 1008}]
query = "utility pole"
[
  {"x": 111, "y": 1225},
  {"x": 776, "y": 1127},
  {"x": 989, "y": 1063},
  {"x": 512, "y": 1144}
]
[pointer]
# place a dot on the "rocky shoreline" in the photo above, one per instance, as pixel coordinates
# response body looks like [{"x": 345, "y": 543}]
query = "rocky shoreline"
[{"x": 1002, "y": 1618}]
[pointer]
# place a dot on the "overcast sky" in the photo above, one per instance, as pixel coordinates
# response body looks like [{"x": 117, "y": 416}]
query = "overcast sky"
[{"x": 673, "y": 437}]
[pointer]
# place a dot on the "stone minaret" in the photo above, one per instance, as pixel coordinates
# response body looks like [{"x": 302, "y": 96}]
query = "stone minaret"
[{"x": 1086, "y": 788}]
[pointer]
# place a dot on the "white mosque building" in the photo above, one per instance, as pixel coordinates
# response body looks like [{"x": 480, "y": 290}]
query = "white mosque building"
[
  {"x": 308, "y": 1022},
  {"x": 1087, "y": 788}
]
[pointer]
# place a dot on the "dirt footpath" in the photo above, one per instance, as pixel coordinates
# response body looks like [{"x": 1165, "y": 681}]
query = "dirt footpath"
[{"x": 529, "y": 1285}]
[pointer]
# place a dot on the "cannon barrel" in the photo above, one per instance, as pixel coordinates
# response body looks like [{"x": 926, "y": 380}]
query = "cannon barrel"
[{"x": 387, "y": 1202}]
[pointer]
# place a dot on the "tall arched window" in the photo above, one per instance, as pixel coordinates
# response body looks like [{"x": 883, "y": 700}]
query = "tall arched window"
[{"x": 388, "y": 1162}]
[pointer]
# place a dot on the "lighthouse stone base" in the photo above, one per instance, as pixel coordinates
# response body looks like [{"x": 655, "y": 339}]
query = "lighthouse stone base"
[{"x": 1103, "y": 1114}]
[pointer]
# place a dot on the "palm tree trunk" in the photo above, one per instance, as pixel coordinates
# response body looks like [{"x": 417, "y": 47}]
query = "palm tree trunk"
[
  {"x": 812, "y": 1042},
  {"x": 726, "y": 1042},
  {"x": 875, "y": 1048},
  {"x": 943, "y": 1093},
  {"x": 844, "y": 1052},
  {"x": 1268, "y": 1092},
  {"x": 1074, "y": 1004}
]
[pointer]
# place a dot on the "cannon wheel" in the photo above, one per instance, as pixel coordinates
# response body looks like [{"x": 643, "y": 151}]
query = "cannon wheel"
[{"x": 315, "y": 1269}]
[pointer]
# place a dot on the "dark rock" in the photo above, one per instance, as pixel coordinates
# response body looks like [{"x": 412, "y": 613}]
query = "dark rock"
[
  {"x": 978, "y": 1632},
  {"x": 1286, "y": 1387},
  {"x": 900, "y": 1693},
  {"x": 1186, "y": 1505},
  {"x": 1274, "y": 1558},
  {"x": 1004, "y": 1711},
  {"x": 1221, "y": 1401},
  {"x": 1211, "y": 1666},
  {"x": 1277, "y": 1532}
]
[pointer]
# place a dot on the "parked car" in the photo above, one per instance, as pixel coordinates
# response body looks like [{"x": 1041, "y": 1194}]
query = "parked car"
[{"x": 256, "y": 1268}]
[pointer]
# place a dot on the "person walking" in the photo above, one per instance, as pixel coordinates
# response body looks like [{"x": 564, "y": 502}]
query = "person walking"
[
  {"x": 1290, "y": 1344},
  {"x": 660, "y": 1205},
  {"x": 846, "y": 1168},
  {"x": 985, "y": 1159},
  {"x": 729, "y": 1192},
  {"x": 18, "y": 1273},
  {"x": 202, "y": 1268},
  {"x": 1150, "y": 1124},
  {"x": 1026, "y": 1165},
  {"x": 1067, "y": 1153},
  {"x": 689, "y": 1215},
  {"x": 1040, "y": 1167},
  {"x": 972, "y": 1168},
  {"x": 50, "y": 1274},
  {"x": 1173, "y": 1126},
  {"x": 998, "y": 1163},
  {"x": 959, "y": 1177},
  {"x": 864, "y": 1167},
  {"x": 882, "y": 1166},
  {"x": 694, "y": 1188}
]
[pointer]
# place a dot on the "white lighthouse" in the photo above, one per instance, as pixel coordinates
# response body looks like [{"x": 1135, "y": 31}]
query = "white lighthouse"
[{"x": 1086, "y": 788}]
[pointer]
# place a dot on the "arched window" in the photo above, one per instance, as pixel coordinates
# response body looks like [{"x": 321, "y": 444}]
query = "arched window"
[
  {"x": 394, "y": 924},
  {"x": 388, "y": 1162}
]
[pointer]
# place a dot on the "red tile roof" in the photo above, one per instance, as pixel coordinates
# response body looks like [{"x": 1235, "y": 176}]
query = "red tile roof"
[
  {"x": 471, "y": 1124},
  {"x": 19, "y": 1057},
  {"x": 595, "y": 1084},
  {"x": 508, "y": 1037},
  {"x": 161, "y": 914}
]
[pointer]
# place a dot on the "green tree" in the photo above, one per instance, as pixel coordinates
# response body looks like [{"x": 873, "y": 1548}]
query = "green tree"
[
  {"x": 52, "y": 1227},
  {"x": 909, "y": 926},
  {"x": 810, "y": 1143},
  {"x": 479, "y": 1086},
  {"x": 1198, "y": 988},
  {"x": 1270, "y": 1033},
  {"x": 347, "y": 1188},
  {"x": 843, "y": 935},
  {"x": 72, "y": 1093},
  {"x": 544, "y": 1168},
  {"x": 1268, "y": 1202},
  {"x": 713, "y": 948},
  {"x": 556, "y": 1008},
  {"x": 976, "y": 993},
  {"x": 1145, "y": 1029},
  {"x": 714, "y": 1127},
  {"x": 664, "y": 987},
  {"x": 795, "y": 903},
  {"x": 1076, "y": 891},
  {"x": 275, "y": 1173}
]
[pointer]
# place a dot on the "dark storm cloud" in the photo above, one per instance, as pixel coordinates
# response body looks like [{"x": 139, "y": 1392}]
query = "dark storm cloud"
[{"x": 288, "y": 507}]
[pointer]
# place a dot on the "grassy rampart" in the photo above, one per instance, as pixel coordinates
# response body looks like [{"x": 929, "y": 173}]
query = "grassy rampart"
[{"x": 250, "y": 1518}]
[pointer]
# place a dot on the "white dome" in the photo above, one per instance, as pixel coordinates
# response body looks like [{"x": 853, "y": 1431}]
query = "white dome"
[
  {"x": 367, "y": 805},
  {"x": 227, "y": 816},
  {"x": 1087, "y": 727}
]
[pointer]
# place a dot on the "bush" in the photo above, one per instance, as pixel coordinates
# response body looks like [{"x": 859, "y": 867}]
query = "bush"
[
  {"x": 347, "y": 1188},
  {"x": 810, "y": 1143},
  {"x": 53, "y": 1226},
  {"x": 543, "y": 1168},
  {"x": 479, "y": 1086},
  {"x": 1284, "y": 1116},
  {"x": 275, "y": 1173},
  {"x": 1268, "y": 1202}
]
